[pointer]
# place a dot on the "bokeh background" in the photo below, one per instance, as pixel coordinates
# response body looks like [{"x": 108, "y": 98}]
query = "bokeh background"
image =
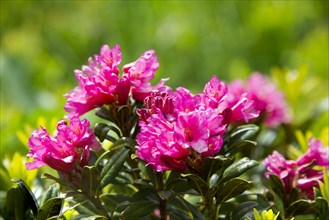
[{"x": 42, "y": 42}]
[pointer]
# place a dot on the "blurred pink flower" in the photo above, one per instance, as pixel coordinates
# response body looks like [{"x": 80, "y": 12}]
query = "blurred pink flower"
[
  {"x": 69, "y": 148},
  {"x": 300, "y": 173},
  {"x": 267, "y": 98}
]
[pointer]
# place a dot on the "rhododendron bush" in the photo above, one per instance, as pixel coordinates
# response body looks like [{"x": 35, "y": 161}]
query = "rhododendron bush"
[{"x": 156, "y": 152}]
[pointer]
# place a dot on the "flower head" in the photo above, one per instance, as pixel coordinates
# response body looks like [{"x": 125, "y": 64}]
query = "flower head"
[
  {"x": 265, "y": 96},
  {"x": 300, "y": 173},
  {"x": 179, "y": 129},
  {"x": 68, "y": 149},
  {"x": 100, "y": 83}
]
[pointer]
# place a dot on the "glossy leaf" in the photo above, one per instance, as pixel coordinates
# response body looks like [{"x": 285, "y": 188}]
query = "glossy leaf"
[
  {"x": 299, "y": 207},
  {"x": 15, "y": 206},
  {"x": 278, "y": 188},
  {"x": 322, "y": 206},
  {"x": 238, "y": 136},
  {"x": 28, "y": 195},
  {"x": 196, "y": 214},
  {"x": 53, "y": 191},
  {"x": 101, "y": 130},
  {"x": 90, "y": 180},
  {"x": 212, "y": 165},
  {"x": 197, "y": 183},
  {"x": 242, "y": 210},
  {"x": 238, "y": 168},
  {"x": 51, "y": 208},
  {"x": 138, "y": 209},
  {"x": 94, "y": 217},
  {"x": 113, "y": 167},
  {"x": 231, "y": 189}
]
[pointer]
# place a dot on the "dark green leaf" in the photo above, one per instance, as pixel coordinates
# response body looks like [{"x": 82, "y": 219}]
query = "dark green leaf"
[
  {"x": 94, "y": 217},
  {"x": 15, "y": 206},
  {"x": 238, "y": 168},
  {"x": 242, "y": 209},
  {"x": 278, "y": 188},
  {"x": 299, "y": 207},
  {"x": 321, "y": 206},
  {"x": 101, "y": 130},
  {"x": 90, "y": 180},
  {"x": 166, "y": 195},
  {"x": 113, "y": 167},
  {"x": 240, "y": 134},
  {"x": 193, "y": 210},
  {"x": 231, "y": 189},
  {"x": 138, "y": 209},
  {"x": 112, "y": 200},
  {"x": 61, "y": 181},
  {"x": 212, "y": 165},
  {"x": 53, "y": 191},
  {"x": 28, "y": 195},
  {"x": 51, "y": 208},
  {"x": 197, "y": 183}
]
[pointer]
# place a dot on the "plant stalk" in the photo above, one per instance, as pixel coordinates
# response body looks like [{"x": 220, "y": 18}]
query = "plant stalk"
[{"x": 162, "y": 201}]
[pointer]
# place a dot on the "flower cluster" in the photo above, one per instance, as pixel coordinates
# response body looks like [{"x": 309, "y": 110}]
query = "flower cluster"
[
  {"x": 267, "y": 99},
  {"x": 179, "y": 129},
  {"x": 100, "y": 83},
  {"x": 68, "y": 149},
  {"x": 300, "y": 173}
]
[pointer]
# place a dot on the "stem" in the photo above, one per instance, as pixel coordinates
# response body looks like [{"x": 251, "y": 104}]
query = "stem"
[
  {"x": 212, "y": 208},
  {"x": 162, "y": 201}
]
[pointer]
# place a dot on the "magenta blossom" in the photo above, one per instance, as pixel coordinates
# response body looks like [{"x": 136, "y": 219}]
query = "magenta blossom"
[
  {"x": 99, "y": 83},
  {"x": 300, "y": 173},
  {"x": 267, "y": 99},
  {"x": 68, "y": 149},
  {"x": 179, "y": 129}
]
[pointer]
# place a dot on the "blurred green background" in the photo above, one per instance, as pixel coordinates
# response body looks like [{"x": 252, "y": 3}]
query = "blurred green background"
[{"x": 42, "y": 42}]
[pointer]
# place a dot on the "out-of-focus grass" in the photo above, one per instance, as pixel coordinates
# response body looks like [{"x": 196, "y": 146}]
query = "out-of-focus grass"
[{"x": 43, "y": 42}]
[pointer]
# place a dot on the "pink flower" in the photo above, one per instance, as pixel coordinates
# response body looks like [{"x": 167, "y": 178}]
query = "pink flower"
[
  {"x": 97, "y": 83},
  {"x": 300, "y": 173},
  {"x": 266, "y": 97},
  {"x": 179, "y": 129},
  {"x": 142, "y": 70},
  {"x": 318, "y": 152},
  {"x": 100, "y": 84},
  {"x": 69, "y": 148}
]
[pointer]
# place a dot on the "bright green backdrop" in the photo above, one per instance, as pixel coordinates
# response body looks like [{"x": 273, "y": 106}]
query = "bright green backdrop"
[{"x": 42, "y": 42}]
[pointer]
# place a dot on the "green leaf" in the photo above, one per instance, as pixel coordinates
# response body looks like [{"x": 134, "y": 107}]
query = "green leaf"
[
  {"x": 138, "y": 209},
  {"x": 321, "y": 206},
  {"x": 278, "y": 188},
  {"x": 212, "y": 165},
  {"x": 324, "y": 186},
  {"x": 101, "y": 130},
  {"x": 231, "y": 189},
  {"x": 242, "y": 209},
  {"x": 15, "y": 206},
  {"x": 90, "y": 180},
  {"x": 193, "y": 210},
  {"x": 94, "y": 217},
  {"x": 197, "y": 183},
  {"x": 238, "y": 136},
  {"x": 113, "y": 167},
  {"x": 61, "y": 181},
  {"x": 51, "y": 208},
  {"x": 238, "y": 168},
  {"x": 112, "y": 200},
  {"x": 299, "y": 207},
  {"x": 28, "y": 195},
  {"x": 53, "y": 191}
]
